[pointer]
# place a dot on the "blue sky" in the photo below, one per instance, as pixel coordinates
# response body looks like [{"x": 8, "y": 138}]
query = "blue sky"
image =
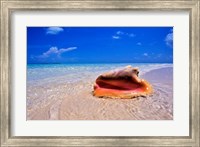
[{"x": 99, "y": 45}]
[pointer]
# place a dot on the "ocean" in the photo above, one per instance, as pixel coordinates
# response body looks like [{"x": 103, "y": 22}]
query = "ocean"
[
  {"x": 74, "y": 72},
  {"x": 64, "y": 91}
]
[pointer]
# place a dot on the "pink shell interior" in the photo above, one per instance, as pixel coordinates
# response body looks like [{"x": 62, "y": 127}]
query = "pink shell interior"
[{"x": 121, "y": 87}]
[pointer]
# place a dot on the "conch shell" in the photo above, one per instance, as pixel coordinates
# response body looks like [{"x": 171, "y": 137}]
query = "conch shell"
[{"x": 123, "y": 83}]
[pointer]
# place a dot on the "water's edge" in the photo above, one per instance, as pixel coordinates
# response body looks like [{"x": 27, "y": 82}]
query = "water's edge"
[{"x": 64, "y": 92}]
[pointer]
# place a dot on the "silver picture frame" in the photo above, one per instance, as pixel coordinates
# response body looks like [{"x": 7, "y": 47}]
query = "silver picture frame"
[{"x": 8, "y": 7}]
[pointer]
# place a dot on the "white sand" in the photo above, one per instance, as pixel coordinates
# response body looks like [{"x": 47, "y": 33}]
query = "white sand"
[{"x": 76, "y": 102}]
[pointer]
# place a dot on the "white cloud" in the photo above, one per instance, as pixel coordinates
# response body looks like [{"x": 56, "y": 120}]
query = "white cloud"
[
  {"x": 145, "y": 54},
  {"x": 139, "y": 43},
  {"x": 120, "y": 34},
  {"x": 115, "y": 37},
  {"x": 54, "y": 30},
  {"x": 169, "y": 39},
  {"x": 54, "y": 51}
]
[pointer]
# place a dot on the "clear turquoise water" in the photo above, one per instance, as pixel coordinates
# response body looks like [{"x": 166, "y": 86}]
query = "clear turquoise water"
[
  {"x": 64, "y": 91},
  {"x": 74, "y": 72}
]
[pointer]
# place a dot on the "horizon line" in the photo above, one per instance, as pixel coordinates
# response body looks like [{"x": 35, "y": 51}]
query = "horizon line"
[{"x": 101, "y": 63}]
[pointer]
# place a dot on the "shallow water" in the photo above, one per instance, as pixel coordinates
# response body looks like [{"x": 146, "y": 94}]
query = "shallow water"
[{"x": 64, "y": 91}]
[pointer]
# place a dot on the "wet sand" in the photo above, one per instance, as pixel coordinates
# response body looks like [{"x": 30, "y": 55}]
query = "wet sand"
[{"x": 74, "y": 101}]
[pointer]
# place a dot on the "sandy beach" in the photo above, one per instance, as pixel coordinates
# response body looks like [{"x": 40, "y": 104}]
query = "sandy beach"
[{"x": 74, "y": 100}]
